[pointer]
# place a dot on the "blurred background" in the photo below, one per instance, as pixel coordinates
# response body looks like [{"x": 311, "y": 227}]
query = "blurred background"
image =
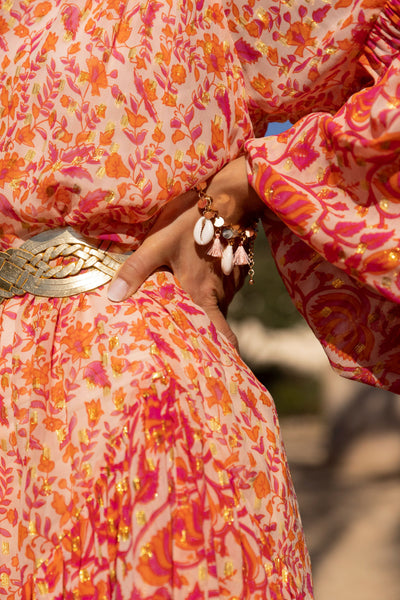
[{"x": 342, "y": 439}]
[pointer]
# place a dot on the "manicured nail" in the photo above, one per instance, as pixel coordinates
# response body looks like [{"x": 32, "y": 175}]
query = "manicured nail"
[{"x": 117, "y": 290}]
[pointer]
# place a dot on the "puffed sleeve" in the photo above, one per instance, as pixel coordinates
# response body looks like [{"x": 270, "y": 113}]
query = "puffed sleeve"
[
  {"x": 332, "y": 184},
  {"x": 301, "y": 56}
]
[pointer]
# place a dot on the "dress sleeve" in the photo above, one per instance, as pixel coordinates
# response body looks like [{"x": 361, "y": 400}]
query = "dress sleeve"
[
  {"x": 332, "y": 184},
  {"x": 298, "y": 56}
]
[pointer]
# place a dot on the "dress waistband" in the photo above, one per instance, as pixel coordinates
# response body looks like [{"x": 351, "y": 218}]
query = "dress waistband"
[{"x": 80, "y": 265}]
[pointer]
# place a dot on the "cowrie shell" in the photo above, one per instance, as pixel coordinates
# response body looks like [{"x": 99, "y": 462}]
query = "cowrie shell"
[{"x": 203, "y": 231}]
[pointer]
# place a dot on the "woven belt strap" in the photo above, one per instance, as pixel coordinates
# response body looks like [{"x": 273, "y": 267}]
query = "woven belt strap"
[{"x": 28, "y": 268}]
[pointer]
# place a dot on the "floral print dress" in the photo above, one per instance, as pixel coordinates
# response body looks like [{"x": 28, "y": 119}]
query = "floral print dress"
[{"x": 139, "y": 457}]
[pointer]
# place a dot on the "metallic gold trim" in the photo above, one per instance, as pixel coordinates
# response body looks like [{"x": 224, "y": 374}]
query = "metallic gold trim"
[{"x": 28, "y": 269}]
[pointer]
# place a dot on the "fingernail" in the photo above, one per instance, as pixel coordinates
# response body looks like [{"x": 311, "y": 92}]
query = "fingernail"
[{"x": 117, "y": 290}]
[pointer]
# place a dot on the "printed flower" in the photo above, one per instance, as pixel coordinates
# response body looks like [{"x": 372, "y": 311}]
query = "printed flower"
[
  {"x": 119, "y": 397},
  {"x": 255, "y": 28},
  {"x": 261, "y": 485},
  {"x": 94, "y": 412},
  {"x": 178, "y": 73},
  {"x": 54, "y": 569},
  {"x": 62, "y": 197},
  {"x": 214, "y": 54},
  {"x": 106, "y": 137},
  {"x": 9, "y": 102},
  {"x": 169, "y": 99},
  {"x": 50, "y": 43},
  {"x": 42, "y": 9},
  {"x": 71, "y": 17},
  {"x": 124, "y": 31},
  {"x": 46, "y": 188},
  {"x": 65, "y": 101},
  {"x": 95, "y": 374},
  {"x": 101, "y": 110},
  {"x": 134, "y": 119},
  {"x": 46, "y": 465},
  {"x": 299, "y": 35},
  {"x": 25, "y": 135},
  {"x": 262, "y": 85},
  {"x": 219, "y": 395},
  {"x": 3, "y": 26},
  {"x": 119, "y": 364},
  {"x": 97, "y": 75},
  {"x": 150, "y": 87},
  {"x": 12, "y": 516},
  {"x": 158, "y": 135},
  {"x": 303, "y": 154},
  {"x": 58, "y": 394},
  {"x": 115, "y": 167},
  {"x": 52, "y": 424},
  {"x": 74, "y": 48},
  {"x": 11, "y": 167},
  {"x": 21, "y": 30},
  {"x": 78, "y": 340},
  {"x": 215, "y": 13}
]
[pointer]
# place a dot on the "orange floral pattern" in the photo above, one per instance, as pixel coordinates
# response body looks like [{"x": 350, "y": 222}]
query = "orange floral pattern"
[
  {"x": 139, "y": 457},
  {"x": 145, "y": 477}
]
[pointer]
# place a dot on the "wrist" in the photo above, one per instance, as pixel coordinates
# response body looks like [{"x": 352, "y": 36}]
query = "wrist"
[
  {"x": 232, "y": 194},
  {"x": 233, "y": 242}
]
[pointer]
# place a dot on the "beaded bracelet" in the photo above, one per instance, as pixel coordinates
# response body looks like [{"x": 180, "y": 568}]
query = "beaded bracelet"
[{"x": 229, "y": 241}]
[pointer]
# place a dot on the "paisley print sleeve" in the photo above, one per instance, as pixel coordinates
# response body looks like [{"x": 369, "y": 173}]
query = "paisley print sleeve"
[{"x": 333, "y": 181}]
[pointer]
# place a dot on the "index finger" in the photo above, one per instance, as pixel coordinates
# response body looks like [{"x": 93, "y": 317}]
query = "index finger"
[{"x": 135, "y": 270}]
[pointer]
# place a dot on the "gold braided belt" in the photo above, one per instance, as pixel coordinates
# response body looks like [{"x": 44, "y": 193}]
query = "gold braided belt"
[{"x": 80, "y": 265}]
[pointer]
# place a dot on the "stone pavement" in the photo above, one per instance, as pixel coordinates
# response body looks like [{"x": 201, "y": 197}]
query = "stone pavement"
[{"x": 350, "y": 509}]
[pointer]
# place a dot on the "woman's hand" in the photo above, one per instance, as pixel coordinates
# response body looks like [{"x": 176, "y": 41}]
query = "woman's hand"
[{"x": 170, "y": 244}]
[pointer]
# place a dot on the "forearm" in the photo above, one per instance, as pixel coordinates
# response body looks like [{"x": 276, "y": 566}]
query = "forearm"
[{"x": 236, "y": 200}]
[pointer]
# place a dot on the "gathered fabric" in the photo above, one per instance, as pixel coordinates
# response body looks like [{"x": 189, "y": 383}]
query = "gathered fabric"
[{"x": 140, "y": 458}]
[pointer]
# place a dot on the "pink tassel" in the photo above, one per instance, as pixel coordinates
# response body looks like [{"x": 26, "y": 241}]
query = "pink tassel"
[
  {"x": 217, "y": 248},
  {"x": 241, "y": 257}
]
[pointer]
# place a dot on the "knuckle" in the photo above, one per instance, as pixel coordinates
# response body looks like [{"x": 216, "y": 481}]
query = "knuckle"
[{"x": 134, "y": 267}]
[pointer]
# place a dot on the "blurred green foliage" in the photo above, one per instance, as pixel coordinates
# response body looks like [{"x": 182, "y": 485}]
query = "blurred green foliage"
[
  {"x": 269, "y": 301},
  {"x": 293, "y": 392},
  {"x": 266, "y": 300}
]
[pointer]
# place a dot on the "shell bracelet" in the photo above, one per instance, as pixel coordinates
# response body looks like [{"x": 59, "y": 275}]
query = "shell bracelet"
[{"x": 233, "y": 244}]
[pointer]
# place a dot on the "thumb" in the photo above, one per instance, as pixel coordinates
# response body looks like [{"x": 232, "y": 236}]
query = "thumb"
[
  {"x": 135, "y": 270},
  {"x": 221, "y": 324}
]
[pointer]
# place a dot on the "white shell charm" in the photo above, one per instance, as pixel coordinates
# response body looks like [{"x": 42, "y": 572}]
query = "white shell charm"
[
  {"x": 203, "y": 231},
  {"x": 227, "y": 260}
]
